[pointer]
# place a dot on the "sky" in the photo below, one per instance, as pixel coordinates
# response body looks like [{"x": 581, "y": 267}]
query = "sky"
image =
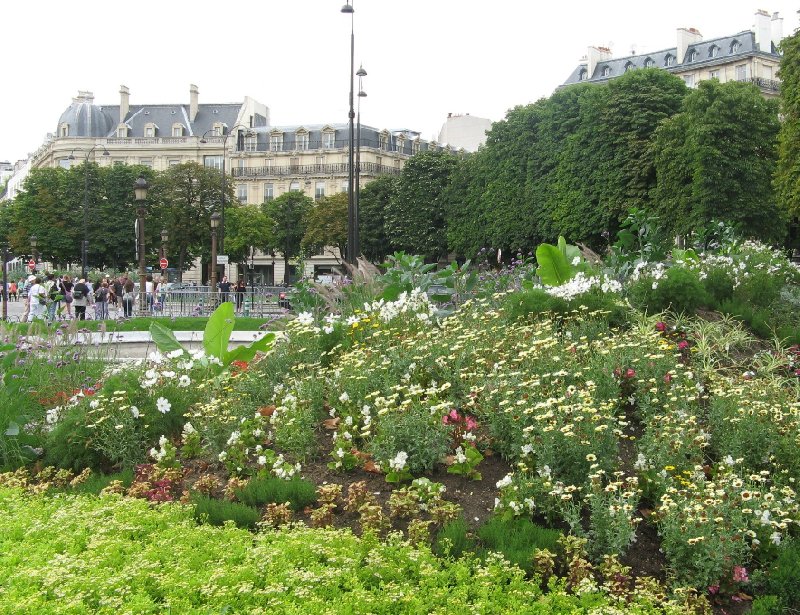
[{"x": 424, "y": 58}]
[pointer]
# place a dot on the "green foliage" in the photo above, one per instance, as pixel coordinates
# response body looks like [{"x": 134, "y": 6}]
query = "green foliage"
[
  {"x": 767, "y": 605},
  {"x": 517, "y": 539},
  {"x": 532, "y": 302},
  {"x": 69, "y": 444},
  {"x": 373, "y": 200},
  {"x": 783, "y": 578},
  {"x": 787, "y": 174},
  {"x": 554, "y": 268},
  {"x": 270, "y": 490},
  {"x": 247, "y": 227},
  {"x": 326, "y": 224},
  {"x": 218, "y": 512},
  {"x": 759, "y": 289},
  {"x": 288, "y": 213},
  {"x": 719, "y": 285},
  {"x": 453, "y": 540},
  {"x": 679, "y": 290},
  {"x": 414, "y": 431},
  {"x": 405, "y": 272}
]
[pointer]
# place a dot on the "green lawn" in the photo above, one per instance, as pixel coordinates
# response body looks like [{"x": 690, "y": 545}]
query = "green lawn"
[{"x": 183, "y": 323}]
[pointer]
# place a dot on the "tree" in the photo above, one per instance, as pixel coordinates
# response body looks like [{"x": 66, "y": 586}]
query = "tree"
[
  {"x": 372, "y": 203},
  {"x": 248, "y": 226},
  {"x": 715, "y": 161},
  {"x": 326, "y": 224},
  {"x": 288, "y": 214},
  {"x": 183, "y": 198},
  {"x": 415, "y": 216},
  {"x": 787, "y": 176}
]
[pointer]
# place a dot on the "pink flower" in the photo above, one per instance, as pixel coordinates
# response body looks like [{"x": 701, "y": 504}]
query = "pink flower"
[
  {"x": 471, "y": 423},
  {"x": 713, "y": 589},
  {"x": 683, "y": 345},
  {"x": 667, "y": 378},
  {"x": 630, "y": 373},
  {"x": 740, "y": 574},
  {"x": 661, "y": 326}
]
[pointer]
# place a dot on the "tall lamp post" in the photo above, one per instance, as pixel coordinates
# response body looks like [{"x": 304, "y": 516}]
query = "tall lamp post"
[
  {"x": 140, "y": 192},
  {"x": 85, "y": 241},
  {"x": 352, "y": 213},
  {"x": 361, "y": 94},
  {"x": 4, "y": 246},
  {"x": 34, "y": 244},
  {"x": 224, "y": 155},
  {"x": 215, "y": 220},
  {"x": 164, "y": 240}
]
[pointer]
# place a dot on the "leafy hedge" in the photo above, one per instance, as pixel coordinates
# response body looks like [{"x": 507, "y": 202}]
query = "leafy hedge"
[{"x": 77, "y": 554}]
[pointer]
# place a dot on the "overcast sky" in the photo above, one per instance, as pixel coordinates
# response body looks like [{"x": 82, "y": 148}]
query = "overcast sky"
[{"x": 424, "y": 58}]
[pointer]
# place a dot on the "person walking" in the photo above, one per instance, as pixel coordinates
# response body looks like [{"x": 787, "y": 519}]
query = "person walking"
[
  {"x": 239, "y": 291},
  {"x": 128, "y": 298},
  {"x": 66, "y": 290},
  {"x": 37, "y": 300},
  {"x": 12, "y": 291},
  {"x": 224, "y": 289},
  {"x": 80, "y": 299},
  {"x": 26, "y": 287},
  {"x": 51, "y": 285},
  {"x": 101, "y": 298}
]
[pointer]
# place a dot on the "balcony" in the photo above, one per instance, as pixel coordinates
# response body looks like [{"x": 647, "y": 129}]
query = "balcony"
[
  {"x": 768, "y": 85},
  {"x": 367, "y": 168}
]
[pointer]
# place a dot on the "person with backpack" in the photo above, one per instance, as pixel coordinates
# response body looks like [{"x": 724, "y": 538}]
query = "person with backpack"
[
  {"x": 26, "y": 287},
  {"x": 12, "y": 290},
  {"x": 66, "y": 290},
  {"x": 128, "y": 298},
  {"x": 80, "y": 299},
  {"x": 52, "y": 287},
  {"x": 37, "y": 300},
  {"x": 101, "y": 297}
]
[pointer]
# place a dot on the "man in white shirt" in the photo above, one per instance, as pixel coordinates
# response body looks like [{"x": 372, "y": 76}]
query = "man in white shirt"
[{"x": 37, "y": 300}]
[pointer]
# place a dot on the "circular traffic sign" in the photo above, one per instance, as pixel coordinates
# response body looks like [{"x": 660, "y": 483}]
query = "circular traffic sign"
[
  {"x": 164, "y": 263},
  {"x": 32, "y": 264}
]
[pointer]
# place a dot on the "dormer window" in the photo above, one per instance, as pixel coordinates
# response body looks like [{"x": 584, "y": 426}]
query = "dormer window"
[
  {"x": 606, "y": 71},
  {"x": 649, "y": 63},
  {"x": 401, "y": 143},
  {"x": 735, "y": 46},
  {"x": 177, "y": 130},
  {"x": 383, "y": 141},
  {"x": 692, "y": 55},
  {"x": 583, "y": 75},
  {"x": 629, "y": 66},
  {"x": 276, "y": 141},
  {"x": 301, "y": 139},
  {"x": 219, "y": 129},
  {"x": 250, "y": 142},
  {"x": 328, "y": 139},
  {"x": 63, "y": 130},
  {"x": 122, "y": 131},
  {"x": 150, "y": 130},
  {"x": 713, "y": 52},
  {"x": 415, "y": 146},
  {"x": 669, "y": 60}
]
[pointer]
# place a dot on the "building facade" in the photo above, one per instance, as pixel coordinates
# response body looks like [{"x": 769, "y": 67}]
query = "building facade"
[
  {"x": 262, "y": 161},
  {"x": 750, "y": 56},
  {"x": 467, "y": 132}
]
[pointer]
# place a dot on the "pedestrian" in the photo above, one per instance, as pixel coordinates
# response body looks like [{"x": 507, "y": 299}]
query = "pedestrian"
[
  {"x": 118, "y": 288},
  {"x": 101, "y": 297},
  {"x": 12, "y": 291},
  {"x": 224, "y": 289},
  {"x": 51, "y": 285},
  {"x": 37, "y": 300},
  {"x": 26, "y": 287},
  {"x": 128, "y": 298},
  {"x": 149, "y": 289},
  {"x": 239, "y": 290},
  {"x": 80, "y": 299},
  {"x": 66, "y": 290}
]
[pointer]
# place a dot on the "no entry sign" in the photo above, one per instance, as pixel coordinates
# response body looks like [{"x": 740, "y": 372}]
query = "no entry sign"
[{"x": 164, "y": 263}]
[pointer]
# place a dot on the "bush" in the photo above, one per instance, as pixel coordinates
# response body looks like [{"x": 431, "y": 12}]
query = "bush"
[
  {"x": 270, "y": 490},
  {"x": 517, "y": 539},
  {"x": 767, "y": 605},
  {"x": 415, "y": 431},
  {"x": 217, "y": 512},
  {"x": 679, "y": 290},
  {"x": 719, "y": 285},
  {"x": 783, "y": 578},
  {"x": 453, "y": 540},
  {"x": 532, "y": 303},
  {"x": 758, "y": 288},
  {"x": 68, "y": 445}
]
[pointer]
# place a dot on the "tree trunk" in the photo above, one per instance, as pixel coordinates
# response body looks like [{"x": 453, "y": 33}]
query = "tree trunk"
[{"x": 181, "y": 257}]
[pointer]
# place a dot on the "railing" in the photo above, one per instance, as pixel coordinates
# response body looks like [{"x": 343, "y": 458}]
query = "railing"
[
  {"x": 370, "y": 168},
  {"x": 765, "y": 84},
  {"x": 258, "y": 302}
]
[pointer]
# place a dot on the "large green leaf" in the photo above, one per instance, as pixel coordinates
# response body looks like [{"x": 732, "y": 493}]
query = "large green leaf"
[
  {"x": 553, "y": 269},
  {"x": 246, "y": 353},
  {"x": 218, "y": 331},
  {"x": 163, "y": 338}
]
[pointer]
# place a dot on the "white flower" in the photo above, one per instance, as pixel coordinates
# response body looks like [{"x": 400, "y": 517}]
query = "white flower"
[
  {"x": 328, "y": 329},
  {"x": 527, "y": 449},
  {"x": 576, "y": 261},
  {"x": 155, "y": 357},
  {"x": 184, "y": 381},
  {"x": 162, "y": 441},
  {"x": 344, "y": 397},
  {"x": 222, "y": 456},
  {"x": 168, "y": 374},
  {"x": 655, "y": 285},
  {"x": 135, "y": 412},
  {"x": 174, "y": 354},
  {"x": 504, "y": 482},
  {"x": 399, "y": 461},
  {"x": 262, "y": 460},
  {"x": 460, "y": 456},
  {"x": 94, "y": 404},
  {"x": 163, "y": 405},
  {"x": 234, "y": 438},
  {"x": 188, "y": 428},
  {"x": 775, "y": 538},
  {"x": 306, "y": 318},
  {"x": 150, "y": 374}
]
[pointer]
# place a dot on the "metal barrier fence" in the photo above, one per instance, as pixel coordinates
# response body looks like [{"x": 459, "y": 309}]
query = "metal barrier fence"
[{"x": 258, "y": 302}]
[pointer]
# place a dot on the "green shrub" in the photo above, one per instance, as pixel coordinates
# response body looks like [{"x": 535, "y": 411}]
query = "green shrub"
[
  {"x": 267, "y": 490},
  {"x": 759, "y": 288},
  {"x": 217, "y": 512},
  {"x": 679, "y": 290},
  {"x": 532, "y": 302},
  {"x": 610, "y": 312},
  {"x": 68, "y": 445},
  {"x": 719, "y": 285},
  {"x": 758, "y": 320},
  {"x": 453, "y": 540},
  {"x": 767, "y": 605},
  {"x": 415, "y": 431},
  {"x": 783, "y": 578},
  {"x": 517, "y": 538}
]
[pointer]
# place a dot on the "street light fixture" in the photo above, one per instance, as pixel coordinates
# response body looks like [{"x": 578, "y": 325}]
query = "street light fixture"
[
  {"x": 34, "y": 244},
  {"x": 352, "y": 213},
  {"x": 224, "y": 155},
  {"x": 215, "y": 221},
  {"x": 140, "y": 193},
  {"x": 85, "y": 242},
  {"x": 361, "y": 94}
]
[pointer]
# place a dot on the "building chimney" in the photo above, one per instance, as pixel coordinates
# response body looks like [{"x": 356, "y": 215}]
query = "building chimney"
[
  {"x": 193, "y": 92},
  {"x": 777, "y": 29},
  {"x": 124, "y": 102},
  {"x": 595, "y": 56},
  {"x": 84, "y": 96},
  {"x": 763, "y": 31},
  {"x": 686, "y": 38}
]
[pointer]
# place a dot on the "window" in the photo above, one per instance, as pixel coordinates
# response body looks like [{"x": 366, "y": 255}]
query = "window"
[
  {"x": 629, "y": 66},
  {"x": 294, "y": 163},
  {"x": 319, "y": 191},
  {"x": 250, "y": 142},
  {"x": 64, "y": 163},
  {"x": 713, "y": 74},
  {"x": 276, "y": 142},
  {"x": 173, "y": 161},
  {"x": 177, "y": 130},
  {"x": 122, "y": 131},
  {"x": 328, "y": 140},
  {"x": 301, "y": 141},
  {"x": 241, "y": 193},
  {"x": 669, "y": 60},
  {"x": 605, "y": 71},
  {"x": 345, "y": 186},
  {"x": 415, "y": 147},
  {"x": 689, "y": 80},
  {"x": 735, "y": 46},
  {"x": 383, "y": 141},
  {"x": 294, "y": 186},
  {"x": 692, "y": 55},
  {"x": 401, "y": 143},
  {"x": 269, "y": 192},
  {"x": 63, "y": 130},
  {"x": 213, "y": 162},
  {"x": 713, "y": 52},
  {"x": 146, "y": 162},
  {"x": 741, "y": 72},
  {"x": 582, "y": 75},
  {"x": 219, "y": 129},
  {"x": 766, "y": 71},
  {"x": 378, "y": 161},
  {"x": 649, "y": 63},
  {"x": 319, "y": 160},
  {"x": 150, "y": 130}
]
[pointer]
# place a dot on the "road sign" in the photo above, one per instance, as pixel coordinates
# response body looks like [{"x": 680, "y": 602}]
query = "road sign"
[
  {"x": 164, "y": 263},
  {"x": 32, "y": 264},
  {"x": 222, "y": 259}
]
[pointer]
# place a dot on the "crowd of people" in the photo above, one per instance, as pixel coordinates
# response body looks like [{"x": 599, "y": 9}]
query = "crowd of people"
[{"x": 51, "y": 297}]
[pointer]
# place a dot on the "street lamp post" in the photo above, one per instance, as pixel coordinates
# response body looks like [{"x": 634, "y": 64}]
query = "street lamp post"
[
  {"x": 140, "y": 191},
  {"x": 164, "y": 240},
  {"x": 224, "y": 155},
  {"x": 352, "y": 214},
  {"x": 5, "y": 279},
  {"x": 215, "y": 221},
  {"x": 34, "y": 244},
  {"x": 361, "y": 94},
  {"x": 85, "y": 242}
]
